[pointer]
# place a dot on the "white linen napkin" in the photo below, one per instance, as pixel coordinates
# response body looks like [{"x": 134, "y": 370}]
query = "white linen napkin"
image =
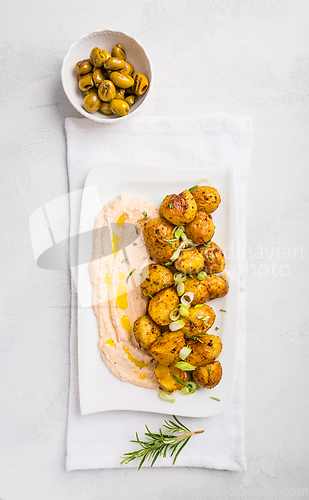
[{"x": 98, "y": 440}]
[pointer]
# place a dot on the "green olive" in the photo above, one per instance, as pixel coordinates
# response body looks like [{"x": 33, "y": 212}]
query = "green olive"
[
  {"x": 118, "y": 51},
  {"x": 128, "y": 69},
  {"x": 98, "y": 57},
  {"x": 98, "y": 76},
  {"x": 107, "y": 91},
  {"x": 121, "y": 80},
  {"x": 83, "y": 67},
  {"x": 131, "y": 99},
  {"x": 119, "y": 107},
  {"x": 91, "y": 102},
  {"x": 141, "y": 83},
  {"x": 86, "y": 82},
  {"x": 93, "y": 90},
  {"x": 105, "y": 108},
  {"x": 120, "y": 93},
  {"x": 114, "y": 63}
]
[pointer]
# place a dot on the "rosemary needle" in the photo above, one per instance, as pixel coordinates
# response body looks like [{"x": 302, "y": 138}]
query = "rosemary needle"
[{"x": 158, "y": 444}]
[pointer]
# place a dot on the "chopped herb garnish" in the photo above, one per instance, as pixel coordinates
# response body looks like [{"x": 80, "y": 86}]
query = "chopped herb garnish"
[
  {"x": 145, "y": 214},
  {"x": 198, "y": 305},
  {"x": 207, "y": 245},
  {"x": 179, "y": 381},
  {"x": 123, "y": 261},
  {"x": 166, "y": 264},
  {"x": 129, "y": 275},
  {"x": 217, "y": 328},
  {"x": 164, "y": 286},
  {"x": 194, "y": 187},
  {"x": 145, "y": 258},
  {"x": 215, "y": 228},
  {"x": 223, "y": 310},
  {"x": 208, "y": 370},
  {"x": 151, "y": 258},
  {"x": 216, "y": 399},
  {"x": 186, "y": 197},
  {"x": 149, "y": 295},
  {"x": 156, "y": 282},
  {"x": 170, "y": 206},
  {"x": 135, "y": 244},
  {"x": 199, "y": 317},
  {"x": 191, "y": 276},
  {"x": 210, "y": 257}
]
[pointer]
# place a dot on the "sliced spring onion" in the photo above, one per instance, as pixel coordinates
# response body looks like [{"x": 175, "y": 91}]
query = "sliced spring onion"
[
  {"x": 156, "y": 282},
  {"x": 179, "y": 381},
  {"x": 198, "y": 306},
  {"x": 183, "y": 237},
  {"x": 149, "y": 295},
  {"x": 176, "y": 325},
  {"x": 190, "y": 389},
  {"x": 187, "y": 298},
  {"x": 180, "y": 288},
  {"x": 180, "y": 278},
  {"x": 216, "y": 399},
  {"x": 217, "y": 328},
  {"x": 208, "y": 370},
  {"x": 178, "y": 232},
  {"x": 184, "y": 353},
  {"x": 199, "y": 317},
  {"x": 184, "y": 244},
  {"x": 201, "y": 276},
  {"x": 184, "y": 366},
  {"x": 204, "y": 182},
  {"x": 206, "y": 319},
  {"x": 145, "y": 214},
  {"x": 207, "y": 245},
  {"x": 210, "y": 258},
  {"x": 167, "y": 396},
  {"x": 183, "y": 311},
  {"x": 223, "y": 310},
  {"x": 194, "y": 187},
  {"x": 174, "y": 315},
  {"x": 186, "y": 391},
  {"x": 170, "y": 206}
]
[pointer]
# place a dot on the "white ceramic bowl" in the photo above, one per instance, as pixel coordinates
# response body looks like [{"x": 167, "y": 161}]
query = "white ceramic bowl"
[{"x": 136, "y": 54}]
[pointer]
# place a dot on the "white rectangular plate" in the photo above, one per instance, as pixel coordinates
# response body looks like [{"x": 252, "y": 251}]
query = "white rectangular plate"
[{"x": 99, "y": 389}]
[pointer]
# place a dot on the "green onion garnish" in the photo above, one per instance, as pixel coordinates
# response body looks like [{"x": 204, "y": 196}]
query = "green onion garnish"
[
  {"x": 223, "y": 310},
  {"x": 170, "y": 206},
  {"x": 179, "y": 381},
  {"x": 167, "y": 396},
  {"x": 191, "y": 276},
  {"x": 208, "y": 370},
  {"x": 217, "y": 328},
  {"x": 210, "y": 257},
  {"x": 216, "y": 399},
  {"x": 186, "y": 197},
  {"x": 199, "y": 317},
  {"x": 198, "y": 306},
  {"x": 134, "y": 244},
  {"x": 184, "y": 353},
  {"x": 207, "y": 245},
  {"x": 184, "y": 366},
  {"x": 194, "y": 187},
  {"x": 164, "y": 286},
  {"x": 145, "y": 214},
  {"x": 156, "y": 282},
  {"x": 149, "y": 295},
  {"x": 130, "y": 274},
  {"x": 145, "y": 258},
  {"x": 123, "y": 260},
  {"x": 201, "y": 276}
]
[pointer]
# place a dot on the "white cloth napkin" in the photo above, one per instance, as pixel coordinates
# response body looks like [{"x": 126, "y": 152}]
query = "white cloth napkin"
[{"x": 98, "y": 440}]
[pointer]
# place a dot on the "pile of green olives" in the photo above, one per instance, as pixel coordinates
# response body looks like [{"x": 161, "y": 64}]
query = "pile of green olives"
[{"x": 109, "y": 81}]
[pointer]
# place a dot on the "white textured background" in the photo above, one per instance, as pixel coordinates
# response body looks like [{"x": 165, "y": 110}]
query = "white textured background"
[{"x": 238, "y": 56}]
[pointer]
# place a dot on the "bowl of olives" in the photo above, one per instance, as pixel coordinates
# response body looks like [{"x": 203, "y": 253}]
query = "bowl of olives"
[{"x": 106, "y": 75}]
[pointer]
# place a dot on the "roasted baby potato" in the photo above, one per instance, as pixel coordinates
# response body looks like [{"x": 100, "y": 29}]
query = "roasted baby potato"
[
  {"x": 207, "y": 199},
  {"x": 199, "y": 321},
  {"x": 155, "y": 278},
  {"x": 201, "y": 229},
  {"x": 157, "y": 234},
  {"x": 145, "y": 331},
  {"x": 167, "y": 347},
  {"x": 163, "y": 374},
  {"x": 211, "y": 287},
  {"x": 213, "y": 258},
  {"x": 190, "y": 261},
  {"x": 162, "y": 305},
  {"x": 208, "y": 376},
  {"x": 179, "y": 209},
  {"x": 204, "y": 352}
]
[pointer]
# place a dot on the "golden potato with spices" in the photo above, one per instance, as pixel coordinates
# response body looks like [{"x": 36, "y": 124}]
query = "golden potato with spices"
[
  {"x": 214, "y": 260},
  {"x": 199, "y": 321},
  {"x": 201, "y": 229},
  {"x": 145, "y": 331},
  {"x": 207, "y": 198},
  {"x": 164, "y": 373},
  {"x": 159, "y": 238},
  {"x": 155, "y": 278},
  {"x": 211, "y": 287},
  {"x": 162, "y": 304},
  {"x": 204, "y": 351},
  {"x": 208, "y": 376},
  {"x": 179, "y": 209},
  {"x": 190, "y": 261},
  {"x": 167, "y": 347}
]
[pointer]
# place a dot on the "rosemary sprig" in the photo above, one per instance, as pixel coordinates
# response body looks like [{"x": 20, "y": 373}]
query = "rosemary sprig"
[{"x": 158, "y": 444}]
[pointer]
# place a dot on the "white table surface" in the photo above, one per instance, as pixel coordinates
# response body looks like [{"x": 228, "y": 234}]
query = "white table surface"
[{"x": 238, "y": 56}]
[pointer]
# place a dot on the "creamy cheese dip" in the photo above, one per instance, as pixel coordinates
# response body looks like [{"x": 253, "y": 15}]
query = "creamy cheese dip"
[{"x": 118, "y": 250}]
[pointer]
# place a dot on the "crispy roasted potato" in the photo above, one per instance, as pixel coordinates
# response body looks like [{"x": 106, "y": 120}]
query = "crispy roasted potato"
[
  {"x": 155, "y": 278},
  {"x": 211, "y": 287},
  {"x": 161, "y": 306},
  {"x": 201, "y": 229},
  {"x": 163, "y": 374},
  {"x": 179, "y": 209},
  {"x": 204, "y": 351},
  {"x": 190, "y": 261},
  {"x": 208, "y": 376},
  {"x": 167, "y": 347},
  {"x": 199, "y": 321},
  {"x": 145, "y": 331},
  {"x": 207, "y": 199},
  {"x": 157, "y": 234},
  {"x": 213, "y": 258}
]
